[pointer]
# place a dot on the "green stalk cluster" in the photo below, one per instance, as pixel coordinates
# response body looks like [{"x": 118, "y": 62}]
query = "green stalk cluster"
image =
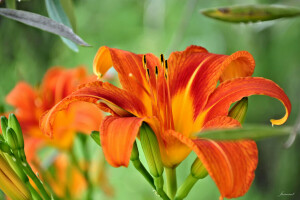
[{"x": 12, "y": 151}]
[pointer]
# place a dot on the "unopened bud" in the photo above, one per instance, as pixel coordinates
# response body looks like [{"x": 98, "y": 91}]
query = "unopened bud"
[
  {"x": 4, "y": 124},
  {"x": 12, "y": 139},
  {"x": 134, "y": 153},
  {"x": 239, "y": 110},
  {"x": 14, "y": 124},
  {"x": 198, "y": 170},
  {"x": 151, "y": 150}
]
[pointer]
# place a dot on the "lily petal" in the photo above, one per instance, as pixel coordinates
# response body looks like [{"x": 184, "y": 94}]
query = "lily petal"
[
  {"x": 230, "y": 164},
  {"x": 59, "y": 83},
  {"x": 92, "y": 93},
  {"x": 117, "y": 137},
  {"x": 87, "y": 117},
  {"x": 233, "y": 90},
  {"x": 195, "y": 68},
  {"x": 23, "y": 98},
  {"x": 130, "y": 70}
]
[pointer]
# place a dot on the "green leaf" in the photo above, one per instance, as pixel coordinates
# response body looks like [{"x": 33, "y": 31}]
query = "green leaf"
[
  {"x": 251, "y": 132},
  {"x": 96, "y": 137},
  {"x": 43, "y": 23},
  {"x": 56, "y": 12},
  {"x": 251, "y": 13}
]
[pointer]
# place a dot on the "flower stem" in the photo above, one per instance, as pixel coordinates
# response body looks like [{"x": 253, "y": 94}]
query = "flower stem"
[
  {"x": 35, "y": 195},
  {"x": 171, "y": 182},
  {"x": 35, "y": 179},
  {"x": 186, "y": 187},
  {"x": 140, "y": 167},
  {"x": 157, "y": 182}
]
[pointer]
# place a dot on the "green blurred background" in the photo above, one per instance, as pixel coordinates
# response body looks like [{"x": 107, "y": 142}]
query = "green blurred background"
[{"x": 163, "y": 26}]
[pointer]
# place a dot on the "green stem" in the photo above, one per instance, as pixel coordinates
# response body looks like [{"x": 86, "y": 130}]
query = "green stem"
[
  {"x": 35, "y": 179},
  {"x": 27, "y": 169},
  {"x": 140, "y": 167},
  {"x": 17, "y": 164},
  {"x": 157, "y": 182},
  {"x": 171, "y": 182},
  {"x": 186, "y": 187},
  {"x": 35, "y": 195}
]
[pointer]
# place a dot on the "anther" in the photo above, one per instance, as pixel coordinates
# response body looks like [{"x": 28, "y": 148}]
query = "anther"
[
  {"x": 166, "y": 69},
  {"x": 148, "y": 72},
  {"x": 156, "y": 71},
  {"x": 162, "y": 59},
  {"x": 144, "y": 62},
  {"x": 166, "y": 65}
]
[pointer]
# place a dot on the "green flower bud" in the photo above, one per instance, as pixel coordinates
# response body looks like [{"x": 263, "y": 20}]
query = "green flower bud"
[
  {"x": 14, "y": 124},
  {"x": 198, "y": 170},
  {"x": 4, "y": 124},
  {"x": 239, "y": 110},
  {"x": 151, "y": 150},
  {"x": 12, "y": 139},
  {"x": 134, "y": 153}
]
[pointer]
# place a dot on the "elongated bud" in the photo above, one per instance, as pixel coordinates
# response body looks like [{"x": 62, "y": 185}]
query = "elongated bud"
[
  {"x": 11, "y": 184},
  {"x": 95, "y": 135},
  {"x": 239, "y": 110},
  {"x": 14, "y": 124},
  {"x": 134, "y": 153},
  {"x": 12, "y": 139},
  {"x": 4, "y": 124},
  {"x": 198, "y": 170},
  {"x": 151, "y": 150},
  {"x": 251, "y": 13}
]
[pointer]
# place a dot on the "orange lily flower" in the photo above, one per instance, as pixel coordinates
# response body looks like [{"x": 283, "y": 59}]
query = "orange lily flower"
[
  {"x": 31, "y": 103},
  {"x": 177, "y": 98}
]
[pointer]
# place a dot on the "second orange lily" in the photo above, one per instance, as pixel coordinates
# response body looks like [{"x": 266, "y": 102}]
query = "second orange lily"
[{"x": 177, "y": 98}]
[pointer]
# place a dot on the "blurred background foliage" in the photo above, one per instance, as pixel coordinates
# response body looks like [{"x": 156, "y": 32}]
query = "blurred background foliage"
[{"x": 163, "y": 26}]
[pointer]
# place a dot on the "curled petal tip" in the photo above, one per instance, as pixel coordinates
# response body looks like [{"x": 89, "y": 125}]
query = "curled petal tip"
[{"x": 281, "y": 121}]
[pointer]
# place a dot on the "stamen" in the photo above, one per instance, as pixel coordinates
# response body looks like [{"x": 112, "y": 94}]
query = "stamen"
[
  {"x": 144, "y": 62},
  {"x": 162, "y": 60},
  {"x": 156, "y": 71},
  {"x": 170, "y": 113},
  {"x": 148, "y": 72},
  {"x": 166, "y": 65},
  {"x": 166, "y": 69}
]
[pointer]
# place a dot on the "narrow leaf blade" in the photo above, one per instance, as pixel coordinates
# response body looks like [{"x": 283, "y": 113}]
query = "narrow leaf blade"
[
  {"x": 95, "y": 135},
  {"x": 56, "y": 12},
  {"x": 251, "y": 132},
  {"x": 43, "y": 23},
  {"x": 251, "y": 13}
]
